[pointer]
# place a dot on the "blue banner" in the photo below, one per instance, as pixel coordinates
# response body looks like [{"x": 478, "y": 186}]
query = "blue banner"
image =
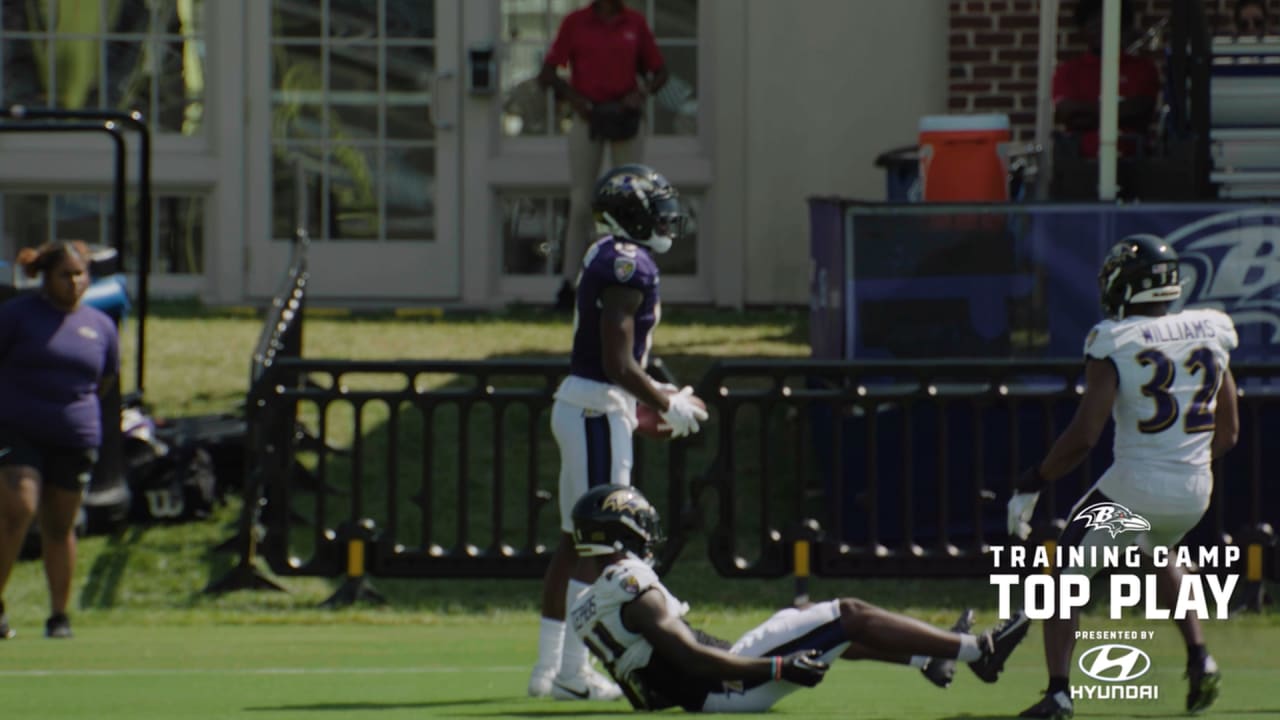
[{"x": 1021, "y": 281}]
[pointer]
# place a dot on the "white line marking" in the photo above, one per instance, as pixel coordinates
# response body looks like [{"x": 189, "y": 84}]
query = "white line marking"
[{"x": 157, "y": 672}]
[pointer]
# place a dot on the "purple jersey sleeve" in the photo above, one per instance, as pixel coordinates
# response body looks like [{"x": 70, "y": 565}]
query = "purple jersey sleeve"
[{"x": 612, "y": 263}]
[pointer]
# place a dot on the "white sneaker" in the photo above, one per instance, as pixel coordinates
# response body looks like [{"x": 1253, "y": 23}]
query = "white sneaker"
[
  {"x": 540, "y": 681},
  {"x": 587, "y": 685}
]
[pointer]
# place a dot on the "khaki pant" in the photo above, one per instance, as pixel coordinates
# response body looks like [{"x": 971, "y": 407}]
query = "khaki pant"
[{"x": 585, "y": 157}]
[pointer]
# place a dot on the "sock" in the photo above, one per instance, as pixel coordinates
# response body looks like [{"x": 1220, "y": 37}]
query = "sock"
[
  {"x": 550, "y": 640},
  {"x": 919, "y": 661},
  {"x": 1059, "y": 685},
  {"x": 1196, "y": 654},
  {"x": 969, "y": 650},
  {"x": 573, "y": 654}
]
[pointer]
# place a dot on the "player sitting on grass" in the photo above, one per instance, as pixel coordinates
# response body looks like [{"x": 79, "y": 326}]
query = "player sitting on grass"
[{"x": 635, "y": 626}]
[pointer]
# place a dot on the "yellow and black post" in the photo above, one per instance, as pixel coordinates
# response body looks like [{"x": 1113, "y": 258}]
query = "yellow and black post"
[
  {"x": 1257, "y": 539},
  {"x": 359, "y": 540},
  {"x": 808, "y": 533}
]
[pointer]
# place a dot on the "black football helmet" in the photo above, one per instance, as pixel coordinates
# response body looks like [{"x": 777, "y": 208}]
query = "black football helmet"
[
  {"x": 1138, "y": 269},
  {"x": 636, "y": 203},
  {"x": 616, "y": 518}
]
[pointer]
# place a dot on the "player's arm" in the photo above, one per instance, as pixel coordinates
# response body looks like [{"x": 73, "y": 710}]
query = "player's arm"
[
  {"x": 1071, "y": 447},
  {"x": 1075, "y": 443},
  {"x": 1226, "y": 419},
  {"x": 672, "y": 639},
  {"x": 617, "y": 337}
]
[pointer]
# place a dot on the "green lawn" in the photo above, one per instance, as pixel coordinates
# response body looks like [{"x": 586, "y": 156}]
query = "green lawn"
[
  {"x": 337, "y": 667},
  {"x": 150, "y": 645}
]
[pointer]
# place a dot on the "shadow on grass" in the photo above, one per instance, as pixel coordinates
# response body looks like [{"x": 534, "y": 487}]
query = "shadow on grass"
[{"x": 102, "y": 587}]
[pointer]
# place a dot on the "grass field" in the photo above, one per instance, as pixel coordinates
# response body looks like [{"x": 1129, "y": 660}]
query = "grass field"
[
  {"x": 125, "y": 666},
  {"x": 149, "y": 645}
]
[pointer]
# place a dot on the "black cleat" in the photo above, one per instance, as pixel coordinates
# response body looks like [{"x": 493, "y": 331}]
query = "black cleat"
[
  {"x": 57, "y": 626},
  {"x": 6, "y": 632},
  {"x": 1203, "y": 682},
  {"x": 940, "y": 671},
  {"x": 1053, "y": 706},
  {"x": 997, "y": 645}
]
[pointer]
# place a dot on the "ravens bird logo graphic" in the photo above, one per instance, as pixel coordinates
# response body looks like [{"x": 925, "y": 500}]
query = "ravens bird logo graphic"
[{"x": 1112, "y": 517}]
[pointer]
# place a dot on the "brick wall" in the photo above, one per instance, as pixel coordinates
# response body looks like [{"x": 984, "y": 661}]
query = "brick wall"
[{"x": 995, "y": 47}]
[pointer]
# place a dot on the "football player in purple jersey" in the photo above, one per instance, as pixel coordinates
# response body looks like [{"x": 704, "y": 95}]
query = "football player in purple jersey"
[{"x": 616, "y": 310}]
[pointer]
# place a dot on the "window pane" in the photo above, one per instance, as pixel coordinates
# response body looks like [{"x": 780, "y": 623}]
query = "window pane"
[
  {"x": 525, "y": 20},
  {"x": 286, "y": 165},
  {"x": 297, "y": 86},
  {"x": 676, "y": 104},
  {"x": 526, "y": 249},
  {"x": 675, "y": 18},
  {"x": 410, "y": 193},
  {"x": 353, "y": 19},
  {"x": 411, "y": 19},
  {"x": 682, "y": 258},
  {"x": 77, "y": 74},
  {"x": 353, "y": 193},
  {"x": 128, "y": 86},
  {"x": 24, "y": 82},
  {"x": 23, "y": 16},
  {"x": 532, "y": 233},
  {"x": 181, "y": 87},
  {"x": 524, "y": 102},
  {"x": 131, "y": 17},
  {"x": 410, "y": 71},
  {"x": 353, "y": 91},
  {"x": 26, "y": 223},
  {"x": 295, "y": 18},
  {"x": 179, "y": 17},
  {"x": 179, "y": 240},
  {"x": 80, "y": 217}
]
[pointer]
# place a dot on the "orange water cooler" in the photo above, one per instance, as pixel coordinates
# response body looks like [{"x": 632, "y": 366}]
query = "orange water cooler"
[{"x": 960, "y": 158}]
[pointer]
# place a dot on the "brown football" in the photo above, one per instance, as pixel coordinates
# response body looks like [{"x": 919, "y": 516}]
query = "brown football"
[{"x": 650, "y": 424}]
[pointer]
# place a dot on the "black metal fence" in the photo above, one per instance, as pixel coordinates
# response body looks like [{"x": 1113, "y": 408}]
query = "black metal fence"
[
  {"x": 444, "y": 469},
  {"x": 906, "y": 465}
]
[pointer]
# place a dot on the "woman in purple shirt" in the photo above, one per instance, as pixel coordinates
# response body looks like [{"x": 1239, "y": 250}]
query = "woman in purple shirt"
[{"x": 56, "y": 357}]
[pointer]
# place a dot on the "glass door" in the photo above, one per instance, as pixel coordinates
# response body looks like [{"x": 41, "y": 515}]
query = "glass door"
[{"x": 355, "y": 126}]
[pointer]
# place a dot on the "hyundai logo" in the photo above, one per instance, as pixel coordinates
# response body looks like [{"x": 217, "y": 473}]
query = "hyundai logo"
[{"x": 1115, "y": 663}]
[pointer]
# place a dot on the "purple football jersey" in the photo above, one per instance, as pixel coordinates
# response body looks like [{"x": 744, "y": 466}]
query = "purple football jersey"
[
  {"x": 612, "y": 262},
  {"x": 50, "y": 365}
]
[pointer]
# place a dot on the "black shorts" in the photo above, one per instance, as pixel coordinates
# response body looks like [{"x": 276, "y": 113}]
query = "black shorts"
[{"x": 67, "y": 468}]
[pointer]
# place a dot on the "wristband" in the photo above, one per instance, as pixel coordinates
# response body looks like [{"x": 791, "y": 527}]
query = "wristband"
[{"x": 777, "y": 667}]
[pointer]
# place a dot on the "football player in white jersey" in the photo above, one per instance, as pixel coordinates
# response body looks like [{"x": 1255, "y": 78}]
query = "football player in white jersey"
[
  {"x": 636, "y": 627},
  {"x": 1164, "y": 378}
]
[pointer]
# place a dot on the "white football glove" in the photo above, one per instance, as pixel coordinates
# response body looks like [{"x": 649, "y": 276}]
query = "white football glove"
[
  {"x": 682, "y": 416},
  {"x": 1021, "y": 507}
]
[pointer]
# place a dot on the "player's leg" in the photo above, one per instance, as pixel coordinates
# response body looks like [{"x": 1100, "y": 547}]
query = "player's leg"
[
  {"x": 19, "y": 490},
  {"x": 897, "y": 635},
  {"x": 816, "y": 627},
  {"x": 67, "y": 474},
  {"x": 607, "y": 438},
  {"x": 1203, "y": 675},
  {"x": 585, "y": 156},
  {"x": 1060, "y": 633},
  {"x": 566, "y": 424}
]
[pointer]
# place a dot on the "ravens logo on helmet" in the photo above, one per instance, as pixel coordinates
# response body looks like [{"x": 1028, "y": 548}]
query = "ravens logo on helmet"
[{"x": 616, "y": 518}]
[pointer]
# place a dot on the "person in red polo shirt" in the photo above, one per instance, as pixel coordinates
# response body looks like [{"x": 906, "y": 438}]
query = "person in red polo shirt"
[
  {"x": 608, "y": 48},
  {"x": 1077, "y": 84}
]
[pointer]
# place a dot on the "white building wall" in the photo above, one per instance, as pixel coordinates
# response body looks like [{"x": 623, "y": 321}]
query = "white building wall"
[{"x": 830, "y": 84}]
